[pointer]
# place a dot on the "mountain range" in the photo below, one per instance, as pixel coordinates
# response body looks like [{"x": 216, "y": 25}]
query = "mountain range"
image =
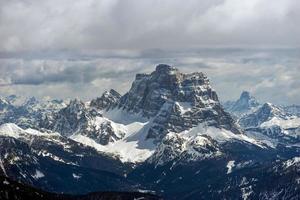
[{"x": 169, "y": 135}]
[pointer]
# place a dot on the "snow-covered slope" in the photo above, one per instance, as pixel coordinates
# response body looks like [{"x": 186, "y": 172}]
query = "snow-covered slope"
[
  {"x": 12, "y": 130},
  {"x": 198, "y": 143},
  {"x": 56, "y": 147},
  {"x": 133, "y": 147}
]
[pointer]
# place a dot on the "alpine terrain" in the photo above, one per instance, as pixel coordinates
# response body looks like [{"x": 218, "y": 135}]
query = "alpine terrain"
[{"x": 168, "y": 137}]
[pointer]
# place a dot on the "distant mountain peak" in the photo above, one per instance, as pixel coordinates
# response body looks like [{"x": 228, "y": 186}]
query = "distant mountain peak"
[
  {"x": 243, "y": 105},
  {"x": 245, "y": 95},
  {"x": 247, "y": 100}
]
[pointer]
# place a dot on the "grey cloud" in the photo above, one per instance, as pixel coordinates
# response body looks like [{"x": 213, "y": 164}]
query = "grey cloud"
[
  {"x": 97, "y": 25},
  {"x": 66, "y": 48},
  {"x": 271, "y": 75},
  {"x": 36, "y": 72}
]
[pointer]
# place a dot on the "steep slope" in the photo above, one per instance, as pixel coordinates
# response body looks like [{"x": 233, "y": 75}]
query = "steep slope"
[{"x": 175, "y": 101}]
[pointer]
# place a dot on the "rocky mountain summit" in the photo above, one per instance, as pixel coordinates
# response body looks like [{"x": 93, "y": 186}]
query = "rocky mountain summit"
[{"x": 175, "y": 101}]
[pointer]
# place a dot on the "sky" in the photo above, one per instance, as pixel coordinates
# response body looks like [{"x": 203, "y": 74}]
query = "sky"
[{"x": 78, "y": 49}]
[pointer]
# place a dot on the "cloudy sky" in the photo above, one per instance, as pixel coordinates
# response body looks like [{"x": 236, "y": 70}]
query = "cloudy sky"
[{"x": 68, "y": 49}]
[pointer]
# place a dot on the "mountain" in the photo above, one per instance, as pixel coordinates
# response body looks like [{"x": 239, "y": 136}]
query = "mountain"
[
  {"x": 108, "y": 100},
  {"x": 271, "y": 124},
  {"x": 132, "y": 126},
  {"x": 168, "y": 134},
  {"x": 245, "y": 104},
  {"x": 50, "y": 161},
  {"x": 175, "y": 102},
  {"x": 266, "y": 112},
  {"x": 27, "y": 112}
]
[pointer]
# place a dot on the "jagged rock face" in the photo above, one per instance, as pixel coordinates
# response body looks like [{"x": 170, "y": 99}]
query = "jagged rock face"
[
  {"x": 173, "y": 119},
  {"x": 150, "y": 91},
  {"x": 176, "y": 147},
  {"x": 263, "y": 114},
  {"x": 69, "y": 119},
  {"x": 175, "y": 101},
  {"x": 103, "y": 133},
  {"x": 108, "y": 100},
  {"x": 76, "y": 118}
]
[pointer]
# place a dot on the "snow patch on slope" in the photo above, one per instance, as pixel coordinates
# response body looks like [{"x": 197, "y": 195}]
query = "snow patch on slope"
[
  {"x": 230, "y": 165},
  {"x": 291, "y": 162},
  {"x": 123, "y": 117},
  {"x": 283, "y": 123},
  {"x": 38, "y": 174},
  {"x": 219, "y": 134},
  {"x": 184, "y": 106},
  {"x": 2, "y": 167},
  {"x": 134, "y": 147},
  {"x": 12, "y": 130},
  {"x": 76, "y": 176}
]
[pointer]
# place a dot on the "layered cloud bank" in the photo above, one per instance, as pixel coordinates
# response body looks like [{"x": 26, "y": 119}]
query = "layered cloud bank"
[{"x": 272, "y": 75}]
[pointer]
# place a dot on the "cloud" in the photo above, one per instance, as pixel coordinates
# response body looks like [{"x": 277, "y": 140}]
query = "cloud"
[
  {"x": 65, "y": 48},
  {"x": 270, "y": 74},
  {"x": 100, "y": 25}
]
